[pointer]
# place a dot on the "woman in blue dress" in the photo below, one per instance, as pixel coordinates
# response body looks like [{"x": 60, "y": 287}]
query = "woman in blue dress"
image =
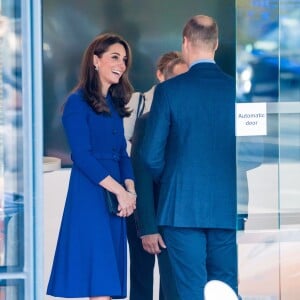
[{"x": 91, "y": 253}]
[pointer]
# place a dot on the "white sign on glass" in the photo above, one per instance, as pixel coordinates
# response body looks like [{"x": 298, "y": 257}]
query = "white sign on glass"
[{"x": 250, "y": 119}]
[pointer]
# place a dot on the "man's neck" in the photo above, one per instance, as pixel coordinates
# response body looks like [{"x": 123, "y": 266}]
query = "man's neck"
[{"x": 200, "y": 57}]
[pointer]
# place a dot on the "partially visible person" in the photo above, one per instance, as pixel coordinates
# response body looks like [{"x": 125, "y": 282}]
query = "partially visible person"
[
  {"x": 141, "y": 262},
  {"x": 190, "y": 149},
  {"x": 175, "y": 67},
  {"x": 90, "y": 258},
  {"x": 140, "y": 102}
]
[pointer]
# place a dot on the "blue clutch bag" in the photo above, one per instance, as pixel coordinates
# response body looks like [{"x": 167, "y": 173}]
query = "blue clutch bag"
[{"x": 111, "y": 201}]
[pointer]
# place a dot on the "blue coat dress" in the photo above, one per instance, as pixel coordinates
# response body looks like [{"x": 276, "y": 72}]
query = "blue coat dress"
[{"x": 90, "y": 258}]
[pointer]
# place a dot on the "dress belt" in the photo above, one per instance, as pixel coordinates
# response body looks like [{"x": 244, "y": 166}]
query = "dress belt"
[{"x": 112, "y": 156}]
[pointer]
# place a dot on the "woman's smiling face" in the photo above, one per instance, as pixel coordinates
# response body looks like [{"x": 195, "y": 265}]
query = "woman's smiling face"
[{"x": 111, "y": 65}]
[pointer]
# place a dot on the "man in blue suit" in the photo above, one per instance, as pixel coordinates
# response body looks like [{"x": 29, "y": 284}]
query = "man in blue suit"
[{"x": 189, "y": 147}]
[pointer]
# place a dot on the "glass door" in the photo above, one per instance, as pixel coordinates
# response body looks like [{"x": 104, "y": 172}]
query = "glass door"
[
  {"x": 268, "y": 72},
  {"x": 288, "y": 110},
  {"x": 20, "y": 150},
  {"x": 11, "y": 154}
]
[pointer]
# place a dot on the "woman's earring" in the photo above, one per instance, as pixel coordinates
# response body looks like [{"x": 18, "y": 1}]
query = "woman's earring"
[{"x": 96, "y": 68}]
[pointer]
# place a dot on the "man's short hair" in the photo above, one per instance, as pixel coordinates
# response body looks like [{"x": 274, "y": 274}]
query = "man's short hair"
[{"x": 201, "y": 31}]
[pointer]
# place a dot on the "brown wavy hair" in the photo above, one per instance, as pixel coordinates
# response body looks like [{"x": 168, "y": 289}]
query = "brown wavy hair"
[{"x": 89, "y": 81}]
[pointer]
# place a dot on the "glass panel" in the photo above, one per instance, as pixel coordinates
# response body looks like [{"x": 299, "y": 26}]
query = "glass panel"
[
  {"x": 259, "y": 269},
  {"x": 290, "y": 265},
  {"x": 11, "y": 144},
  {"x": 289, "y": 44},
  {"x": 257, "y": 156},
  {"x": 11, "y": 289},
  {"x": 257, "y": 81},
  {"x": 268, "y": 70},
  {"x": 289, "y": 148}
]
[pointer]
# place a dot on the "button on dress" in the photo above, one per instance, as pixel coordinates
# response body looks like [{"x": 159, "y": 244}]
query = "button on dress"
[{"x": 91, "y": 254}]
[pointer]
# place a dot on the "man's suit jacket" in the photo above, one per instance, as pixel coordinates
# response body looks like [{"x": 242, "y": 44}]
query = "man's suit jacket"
[
  {"x": 189, "y": 147},
  {"x": 146, "y": 189}
]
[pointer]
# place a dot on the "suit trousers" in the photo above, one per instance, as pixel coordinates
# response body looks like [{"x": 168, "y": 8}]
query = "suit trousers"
[
  {"x": 199, "y": 255},
  {"x": 142, "y": 269},
  {"x": 141, "y": 266}
]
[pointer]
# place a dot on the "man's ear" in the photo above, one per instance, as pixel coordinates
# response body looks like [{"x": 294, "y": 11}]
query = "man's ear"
[
  {"x": 184, "y": 42},
  {"x": 185, "y": 45},
  {"x": 217, "y": 45},
  {"x": 160, "y": 76}
]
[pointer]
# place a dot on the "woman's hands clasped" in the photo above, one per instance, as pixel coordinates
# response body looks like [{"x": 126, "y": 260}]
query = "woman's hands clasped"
[
  {"x": 126, "y": 194},
  {"x": 127, "y": 203}
]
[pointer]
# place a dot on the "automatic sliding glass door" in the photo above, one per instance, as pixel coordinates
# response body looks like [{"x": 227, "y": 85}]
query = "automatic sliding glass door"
[{"x": 268, "y": 71}]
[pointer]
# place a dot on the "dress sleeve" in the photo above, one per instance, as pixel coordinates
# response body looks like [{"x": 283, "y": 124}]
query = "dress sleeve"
[{"x": 77, "y": 131}]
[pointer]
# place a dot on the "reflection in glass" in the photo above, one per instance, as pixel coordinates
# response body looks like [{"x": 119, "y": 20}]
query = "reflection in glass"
[
  {"x": 11, "y": 289},
  {"x": 257, "y": 81},
  {"x": 257, "y": 51},
  {"x": 289, "y": 45},
  {"x": 11, "y": 143},
  {"x": 268, "y": 70}
]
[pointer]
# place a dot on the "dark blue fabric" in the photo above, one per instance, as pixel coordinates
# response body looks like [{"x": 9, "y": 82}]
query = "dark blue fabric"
[
  {"x": 90, "y": 258},
  {"x": 141, "y": 262},
  {"x": 141, "y": 265},
  {"x": 212, "y": 256},
  {"x": 189, "y": 147}
]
